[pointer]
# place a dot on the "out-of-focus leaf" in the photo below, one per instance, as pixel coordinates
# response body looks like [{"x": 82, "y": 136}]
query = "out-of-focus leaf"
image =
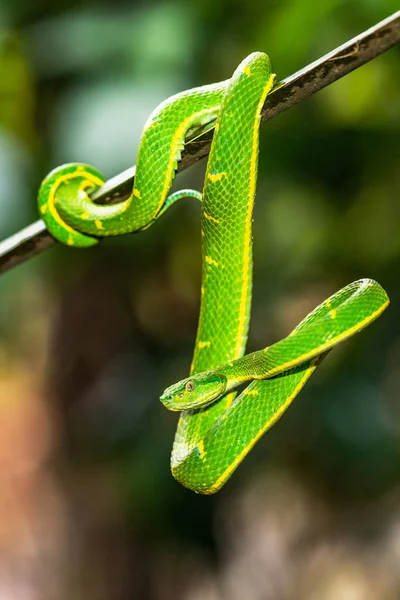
[{"x": 16, "y": 89}]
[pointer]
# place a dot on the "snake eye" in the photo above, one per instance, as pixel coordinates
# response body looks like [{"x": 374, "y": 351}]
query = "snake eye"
[{"x": 189, "y": 386}]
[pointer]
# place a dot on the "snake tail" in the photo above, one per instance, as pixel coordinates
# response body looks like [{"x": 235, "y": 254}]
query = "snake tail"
[{"x": 71, "y": 181}]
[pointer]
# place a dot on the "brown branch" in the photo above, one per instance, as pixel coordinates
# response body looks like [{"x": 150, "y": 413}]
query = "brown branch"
[{"x": 384, "y": 35}]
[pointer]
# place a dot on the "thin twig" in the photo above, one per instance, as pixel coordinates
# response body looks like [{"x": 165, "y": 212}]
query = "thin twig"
[{"x": 384, "y": 35}]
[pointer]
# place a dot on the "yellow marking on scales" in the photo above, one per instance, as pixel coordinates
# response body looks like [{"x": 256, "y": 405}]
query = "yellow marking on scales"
[
  {"x": 211, "y": 261},
  {"x": 229, "y": 399},
  {"x": 200, "y": 447},
  {"x": 332, "y": 314},
  {"x": 136, "y": 193},
  {"x": 202, "y": 289},
  {"x": 175, "y": 147},
  {"x": 43, "y": 208},
  {"x": 255, "y": 439},
  {"x": 85, "y": 215},
  {"x": 148, "y": 126},
  {"x": 210, "y": 218},
  {"x": 84, "y": 185},
  {"x": 247, "y": 263},
  {"x": 201, "y": 345},
  {"x": 52, "y": 198},
  {"x": 213, "y": 177},
  {"x": 242, "y": 379},
  {"x": 327, "y": 304},
  {"x": 246, "y": 70},
  {"x": 330, "y": 343},
  {"x": 250, "y": 392},
  {"x": 99, "y": 224}
]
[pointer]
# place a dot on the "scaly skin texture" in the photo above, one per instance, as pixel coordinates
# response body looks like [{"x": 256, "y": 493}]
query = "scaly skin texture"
[
  {"x": 59, "y": 186},
  {"x": 227, "y": 208},
  {"x": 336, "y": 319},
  {"x": 216, "y": 429},
  {"x": 79, "y": 220},
  {"x": 212, "y": 439}
]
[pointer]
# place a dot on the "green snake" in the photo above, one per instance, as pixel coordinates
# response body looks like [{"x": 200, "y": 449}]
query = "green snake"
[{"x": 217, "y": 428}]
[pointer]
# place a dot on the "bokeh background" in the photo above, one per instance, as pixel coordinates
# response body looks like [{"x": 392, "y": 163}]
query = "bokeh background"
[{"x": 89, "y": 339}]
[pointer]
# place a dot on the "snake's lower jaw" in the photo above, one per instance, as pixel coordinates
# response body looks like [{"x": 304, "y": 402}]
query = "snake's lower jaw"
[
  {"x": 178, "y": 405},
  {"x": 170, "y": 404}
]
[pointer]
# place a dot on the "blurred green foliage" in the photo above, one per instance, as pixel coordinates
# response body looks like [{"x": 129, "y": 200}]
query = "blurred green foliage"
[{"x": 104, "y": 331}]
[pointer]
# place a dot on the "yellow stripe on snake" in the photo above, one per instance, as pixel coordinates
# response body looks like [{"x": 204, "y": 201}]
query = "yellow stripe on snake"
[{"x": 217, "y": 428}]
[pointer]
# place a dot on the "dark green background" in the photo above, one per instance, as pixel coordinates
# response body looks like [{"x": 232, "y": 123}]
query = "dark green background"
[{"x": 89, "y": 339}]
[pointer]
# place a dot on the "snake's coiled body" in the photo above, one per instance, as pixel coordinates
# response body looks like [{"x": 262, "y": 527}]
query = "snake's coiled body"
[
  {"x": 216, "y": 430},
  {"x": 73, "y": 218}
]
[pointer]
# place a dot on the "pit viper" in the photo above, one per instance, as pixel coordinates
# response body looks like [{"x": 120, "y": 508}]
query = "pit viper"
[{"x": 217, "y": 428}]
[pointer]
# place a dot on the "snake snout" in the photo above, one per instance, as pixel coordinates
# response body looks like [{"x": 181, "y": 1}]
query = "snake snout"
[{"x": 167, "y": 400}]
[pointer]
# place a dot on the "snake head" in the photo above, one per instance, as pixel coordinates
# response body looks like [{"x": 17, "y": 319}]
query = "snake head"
[{"x": 197, "y": 391}]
